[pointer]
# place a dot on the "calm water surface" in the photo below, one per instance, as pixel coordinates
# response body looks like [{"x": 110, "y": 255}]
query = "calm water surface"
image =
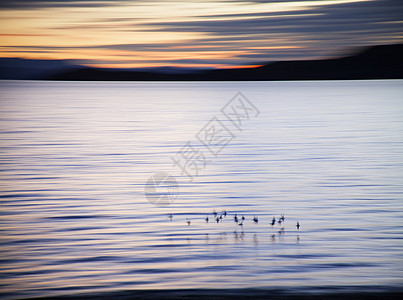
[{"x": 75, "y": 157}]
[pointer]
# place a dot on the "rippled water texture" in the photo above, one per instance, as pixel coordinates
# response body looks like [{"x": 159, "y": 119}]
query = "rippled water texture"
[{"x": 75, "y": 157}]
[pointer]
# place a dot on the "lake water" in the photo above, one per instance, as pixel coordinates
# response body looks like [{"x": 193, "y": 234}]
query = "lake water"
[{"x": 75, "y": 157}]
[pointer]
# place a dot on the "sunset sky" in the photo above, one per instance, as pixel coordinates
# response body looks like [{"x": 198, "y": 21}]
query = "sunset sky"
[{"x": 194, "y": 33}]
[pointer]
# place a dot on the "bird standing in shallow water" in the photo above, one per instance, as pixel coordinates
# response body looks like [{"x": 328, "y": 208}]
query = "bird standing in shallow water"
[
  {"x": 282, "y": 218},
  {"x": 243, "y": 218},
  {"x": 255, "y": 219},
  {"x": 273, "y": 222},
  {"x": 188, "y": 221},
  {"x": 206, "y": 219},
  {"x": 236, "y": 218},
  {"x": 298, "y": 225},
  {"x": 170, "y": 216}
]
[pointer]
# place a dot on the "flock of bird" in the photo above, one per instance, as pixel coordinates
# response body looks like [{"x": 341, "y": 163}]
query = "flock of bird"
[{"x": 238, "y": 220}]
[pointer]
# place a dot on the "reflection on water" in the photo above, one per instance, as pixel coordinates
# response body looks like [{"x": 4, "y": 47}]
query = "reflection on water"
[{"x": 76, "y": 155}]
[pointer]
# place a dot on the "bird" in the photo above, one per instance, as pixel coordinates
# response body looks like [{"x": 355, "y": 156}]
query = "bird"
[
  {"x": 240, "y": 224},
  {"x": 214, "y": 213},
  {"x": 282, "y": 218},
  {"x": 255, "y": 219},
  {"x": 224, "y": 213},
  {"x": 279, "y": 221},
  {"x": 273, "y": 222},
  {"x": 170, "y": 217},
  {"x": 217, "y": 219},
  {"x": 206, "y": 219},
  {"x": 188, "y": 221},
  {"x": 298, "y": 225},
  {"x": 236, "y": 218},
  {"x": 243, "y": 218}
]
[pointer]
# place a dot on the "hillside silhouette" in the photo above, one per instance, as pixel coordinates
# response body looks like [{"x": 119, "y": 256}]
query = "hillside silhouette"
[{"x": 376, "y": 62}]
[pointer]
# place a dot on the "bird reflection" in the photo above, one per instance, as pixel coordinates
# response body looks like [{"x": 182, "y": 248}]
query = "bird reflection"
[
  {"x": 255, "y": 240},
  {"x": 238, "y": 236},
  {"x": 221, "y": 238}
]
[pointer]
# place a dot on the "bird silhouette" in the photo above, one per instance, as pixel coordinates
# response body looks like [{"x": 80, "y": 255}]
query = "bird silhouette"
[
  {"x": 206, "y": 219},
  {"x": 188, "y": 221},
  {"x": 298, "y": 225},
  {"x": 273, "y": 221},
  {"x": 255, "y": 219}
]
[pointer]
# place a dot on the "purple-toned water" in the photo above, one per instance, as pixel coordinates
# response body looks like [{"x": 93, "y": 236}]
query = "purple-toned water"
[{"x": 75, "y": 157}]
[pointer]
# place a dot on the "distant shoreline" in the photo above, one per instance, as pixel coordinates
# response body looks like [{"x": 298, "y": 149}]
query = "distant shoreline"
[{"x": 377, "y": 62}]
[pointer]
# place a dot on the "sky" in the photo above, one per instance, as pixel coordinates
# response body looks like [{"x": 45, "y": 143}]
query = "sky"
[{"x": 194, "y": 33}]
